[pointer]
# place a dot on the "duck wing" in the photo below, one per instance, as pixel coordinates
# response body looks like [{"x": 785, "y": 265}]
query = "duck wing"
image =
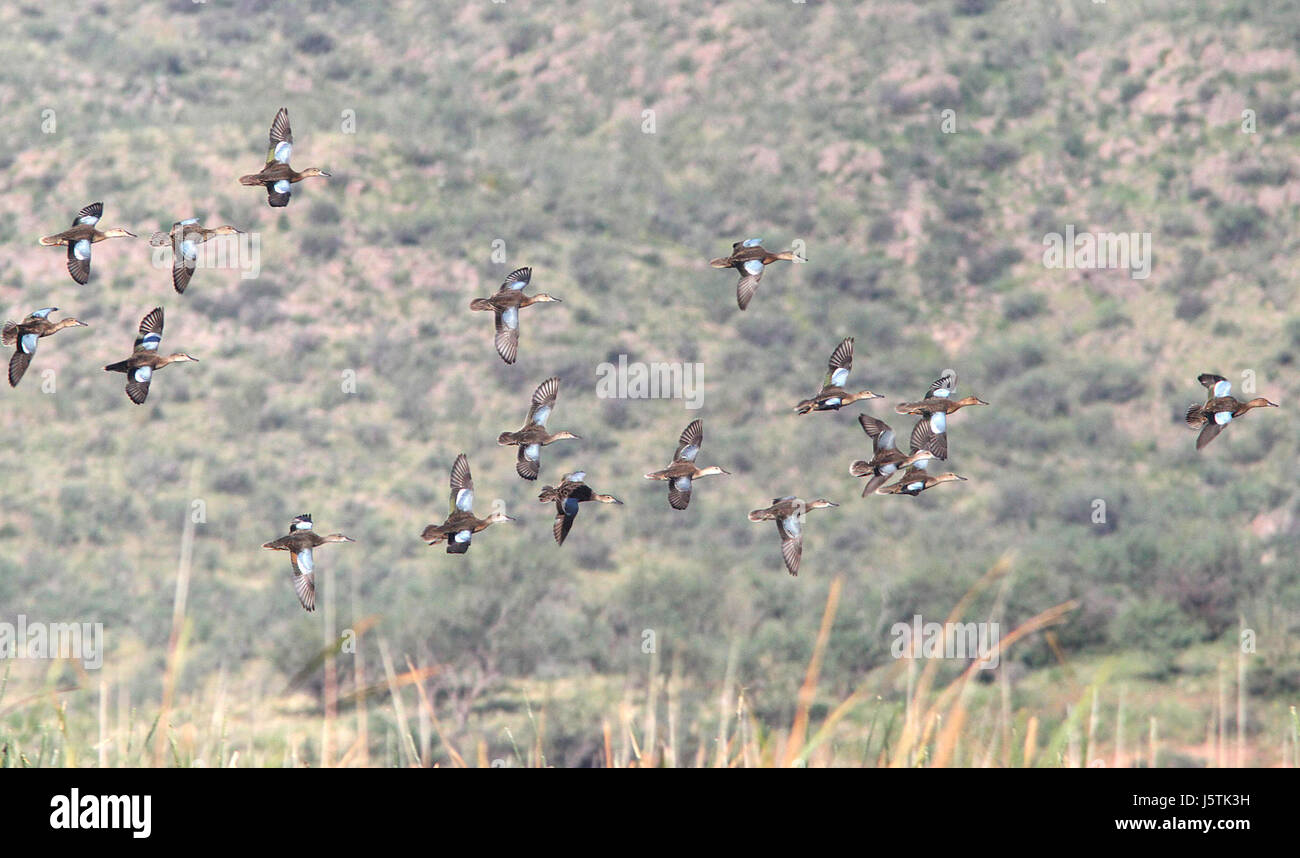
[
  {"x": 1217, "y": 385},
  {"x": 944, "y": 385},
  {"x": 280, "y": 146},
  {"x": 688, "y": 445},
  {"x": 543, "y": 401},
  {"x": 882, "y": 437},
  {"x": 837, "y": 369},
  {"x": 1209, "y": 432},
  {"x": 304, "y": 577},
  {"x": 748, "y": 285},
  {"x": 79, "y": 260},
  {"x": 507, "y": 336},
  {"x": 528, "y": 462},
  {"x": 151, "y": 329},
  {"x": 679, "y": 492},
  {"x": 791, "y": 543},
  {"x": 462, "y": 486},
  {"x": 566, "y": 511},
  {"x": 516, "y": 280},
  {"x": 925, "y": 438},
  {"x": 20, "y": 361}
]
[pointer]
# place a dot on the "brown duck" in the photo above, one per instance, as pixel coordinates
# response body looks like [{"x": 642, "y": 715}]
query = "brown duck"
[
  {"x": 750, "y": 258},
  {"x": 683, "y": 470},
  {"x": 185, "y": 237},
  {"x": 80, "y": 237},
  {"x": 24, "y": 336},
  {"x": 788, "y": 513},
  {"x": 915, "y": 480},
  {"x": 145, "y": 360},
  {"x": 506, "y": 304},
  {"x": 931, "y": 432},
  {"x": 277, "y": 176},
  {"x": 299, "y": 543},
  {"x": 886, "y": 458},
  {"x": 833, "y": 396},
  {"x": 533, "y": 436},
  {"x": 461, "y": 524},
  {"x": 1219, "y": 409},
  {"x": 568, "y": 496}
]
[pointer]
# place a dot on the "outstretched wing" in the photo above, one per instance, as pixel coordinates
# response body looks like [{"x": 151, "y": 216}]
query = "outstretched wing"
[
  {"x": 517, "y": 280},
  {"x": 1217, "y": 385},
  {"x": 566, "y": 511},
  {"x": 79, "y": 260},
  {"x": 22, "y": 358},
  {"x": 1209, "y": 432},
  {"x": 925, "y": 438},
  {"x": 137, "y": 383},
  {"x": 507, "y": 336},
  {"x": 151, "y": 329},
  {"x": 281, "y": 144},
  {"x": 528, "y": 462},
  {"x": 304, "y": 577},
  {"x": 748, "y": 284},
  {"x": 882, "y": 437},
  {"x": 543, "y": 401},
  {"x": 791, "y": 543},
  {"x": 688, "y": 446},
  {"x": 944, "y": 385},
  {"x": 90, "y": 215},
  {"x": 837, "y": 369},
  {"x": 462, "y": 486},
  {"x": 679, "y": 492},
  {"x": 185, "y": 256}
]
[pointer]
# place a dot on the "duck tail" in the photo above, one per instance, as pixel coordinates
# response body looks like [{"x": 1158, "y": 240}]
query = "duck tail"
[
  {"x": 758, "y": 515},
  {"x": 720, "y": 262},
  {"x": 804, "y": 407},
  {"x": 860, "y": 468},
  {"x": 480, "y": 304},
  {"x": 1196, "y": 416},
  {"x": 50, "y": 240},
  {"x": 160, "y": 239},
  {"x": 252, "y": 180},
  {"x": 120, "y": 366},
  {"x": 9, "y": 336}
]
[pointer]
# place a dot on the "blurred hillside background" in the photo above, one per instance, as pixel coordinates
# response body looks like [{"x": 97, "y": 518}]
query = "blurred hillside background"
[{"x": 452, "y": 129}]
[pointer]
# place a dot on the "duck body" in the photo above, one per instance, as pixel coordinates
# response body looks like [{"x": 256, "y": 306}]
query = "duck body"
[
  {"x": 505, "y": 304},
  {"x": 458, "y": 529},
  {"x": 145, "y": 360},
  {"x": 682, "y": 472},
  {"x": 300, "y": 543},
  {"x": 79, "y": 238},
  {"x": 534, "y": 435},
  {"x": 915, "y": 480},
  {"x": 788, "y": 513},
  {"x": 184, "y": 237},
  {"x": 276, "y": 175},
  {"x": 749, "y": 257},
  {"x": 1220, "y": 408},
  {"x": 568, "y": 497},
  {"x": 25, "y": 335}
]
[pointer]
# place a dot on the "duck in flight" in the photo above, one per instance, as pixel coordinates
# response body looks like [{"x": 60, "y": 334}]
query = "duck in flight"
[
  {"x": 461, "y": 524},
  {"x": 185, "y": 237},
  {"x": 750, "y": 258},
  {"x": 277, "y": 176},
  {"x": 788, "y": 513},
  {"x": 886, "y": 459},
  {"x": 80, "y": 237},
  {"x": 915, "y": 480},
  {"x": 931, "y": 431},
  {"x": 299, "y": 543},
  {"x": 506, "y": 304},
  {"x": 145, "y": 360},
  {"x": 833, "y": 396},
  {"x": 683, "y": 471},
  {"x": 25, "y": 335},
  {"x": 533, "y": 436},
  {"x": 1220, "y": 408},
  {"x": 568, "y": 496}
]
